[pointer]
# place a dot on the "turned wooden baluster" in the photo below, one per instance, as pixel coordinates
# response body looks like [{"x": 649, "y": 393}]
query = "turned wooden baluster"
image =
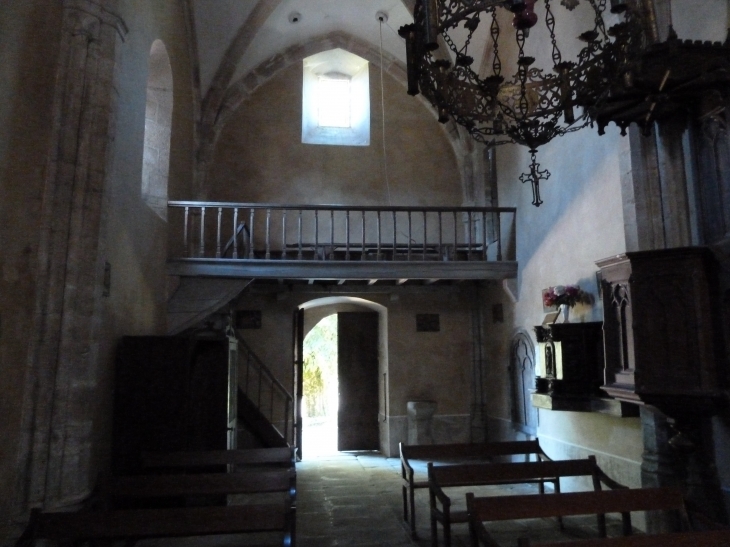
[
  {"x": 218, "y": 240},
  {"x": 283, "y": 235},
  {"x": 250, "y": 235},
  {"x": 235, "y": 232},
  {"x": 316, "y": 234},
  {"x": 347, "y": 237},
  {"x": 425, "y": 231},
  {"x": 186, "y": 251},
  {"x": 299, "y": 235},
  {"x": 202, "y": 232},
  {"x": 332, "y": 235}
]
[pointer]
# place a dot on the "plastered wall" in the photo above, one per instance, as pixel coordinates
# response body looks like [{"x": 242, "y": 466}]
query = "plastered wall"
[
  {"x": 580, "y": 221},
  {"x": 434, "y": 366},
  {"x": 135, "y": 237}
]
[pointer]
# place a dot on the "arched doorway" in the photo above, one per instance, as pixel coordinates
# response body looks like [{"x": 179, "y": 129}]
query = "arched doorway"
[
  {"x": 361, "y": 364},
  {"x": 320, "y": 392}
]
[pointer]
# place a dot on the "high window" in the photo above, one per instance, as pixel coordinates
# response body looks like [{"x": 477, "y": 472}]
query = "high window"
[
  {"x": 157, "y": 130},
  {"x": 336, "y": 99}
]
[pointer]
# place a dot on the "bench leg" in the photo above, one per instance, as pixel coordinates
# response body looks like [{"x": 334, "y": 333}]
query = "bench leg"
[
  {"x": 602, "y": 525},
  {"x": 447, "y": 533},
  {"x": 405, "y": 503},
  {"x": 413, "y": 513},
  {"x": 434, "y": 532},
  {"x": 556, "y": 483}
]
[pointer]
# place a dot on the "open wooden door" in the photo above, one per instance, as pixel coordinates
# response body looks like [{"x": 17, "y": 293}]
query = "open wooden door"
[
  {"x": 357, "y": 348},
  {"x": 298, "y": 377},
  {"x": 232, "y": 407}
]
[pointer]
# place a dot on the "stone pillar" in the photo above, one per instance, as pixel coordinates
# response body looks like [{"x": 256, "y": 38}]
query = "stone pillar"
[
  {"x": 658, "y": 468},
  {"x": 420, "y": 414},
  {"x": 55, "y": 466}
]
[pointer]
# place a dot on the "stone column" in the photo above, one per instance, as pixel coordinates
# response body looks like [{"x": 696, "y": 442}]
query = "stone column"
[
  {"x": 658, "y": 468},
  {"x": 55, "y": 463}
]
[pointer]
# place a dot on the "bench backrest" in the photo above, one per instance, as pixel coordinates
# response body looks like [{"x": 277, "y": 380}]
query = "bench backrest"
[
  {"x": 711, "y": 538},
  {"x": 283, "y": 456},
  {"x": 470, "y": 450},
  {"x": 627, "y": 500},
  {"x": 247, "y": 482},
  {"x": 494, "y": 473},
  {"x": 141, "y": 523}
]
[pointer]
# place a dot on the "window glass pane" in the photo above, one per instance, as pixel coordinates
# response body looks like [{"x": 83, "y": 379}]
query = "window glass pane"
[{"x": 334, "y": 102}]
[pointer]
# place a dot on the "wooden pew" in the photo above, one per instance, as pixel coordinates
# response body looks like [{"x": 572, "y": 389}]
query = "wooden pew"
[
  {"x": 706, "y": 538},
  {"x": 280, "y": 456},
  {"x": 440, "y": 477},
  {"x": 205, "y": 484},
  {"x": 624, "y": 501},
  {"x": 457, "y": 453},
  {"x": 157, "y": 523}
]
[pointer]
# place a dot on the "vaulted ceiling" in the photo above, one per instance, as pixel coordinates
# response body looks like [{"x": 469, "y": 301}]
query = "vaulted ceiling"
[{"x": 235, "y": 36}]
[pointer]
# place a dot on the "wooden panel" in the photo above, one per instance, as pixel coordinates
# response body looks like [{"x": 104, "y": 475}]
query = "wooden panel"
[
  {"x": 204, "y": 484},
  {"x": 191, "y": 521},
  {"x": 318, "y": 269},
  {"x": 711, "y": 538},
  {"x": 170, "y": 395},
  {"x": 577, "y": 503},
  {"x": 357, "y": 349},
  {"x": 252, "y": 456},
  {"x": 470, "y": 450},
  {"x": 662, "y": 324},
  {"x": 491, "y": 473}
]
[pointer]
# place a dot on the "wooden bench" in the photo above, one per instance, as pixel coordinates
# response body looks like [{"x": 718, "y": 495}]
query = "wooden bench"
[
  {"x": 456, "y": 453},
  {"x": 440, "y": 477},
  {"x": 157, "y": 523},
  {"x": 623, "y": 501},
  {"x": 205, "y": 484},
  {"x": 707, "y": 538},
  {"x": 280, "y": 456}
]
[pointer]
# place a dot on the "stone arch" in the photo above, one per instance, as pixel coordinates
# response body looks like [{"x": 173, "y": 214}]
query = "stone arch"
[
  {"x": 157, "y": 130},
  {"x": 247, "y": 85},
  {"x": 522, "y": 379},
  {"x": 317, "y": 309}
]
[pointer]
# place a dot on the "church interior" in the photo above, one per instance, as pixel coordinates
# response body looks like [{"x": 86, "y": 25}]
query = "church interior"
[{"x": 166, "y": 178}]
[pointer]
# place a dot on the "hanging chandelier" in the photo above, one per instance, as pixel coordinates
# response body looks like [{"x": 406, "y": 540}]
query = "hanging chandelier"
[{"x": 529, "y": 104}]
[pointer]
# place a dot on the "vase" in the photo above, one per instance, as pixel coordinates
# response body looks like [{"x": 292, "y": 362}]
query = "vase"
[{"x": 565, "y": 312}]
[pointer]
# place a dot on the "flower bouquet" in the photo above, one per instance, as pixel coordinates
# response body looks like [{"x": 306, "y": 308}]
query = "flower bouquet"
[{"x": 568, "y": 295}]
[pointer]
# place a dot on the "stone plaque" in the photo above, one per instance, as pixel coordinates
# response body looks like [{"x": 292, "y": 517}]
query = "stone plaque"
[
  {"x": 427, "y": 322},
  {"x": 248, "y": 319}
]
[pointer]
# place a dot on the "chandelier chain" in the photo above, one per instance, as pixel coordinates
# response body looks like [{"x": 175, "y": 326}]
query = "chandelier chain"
[
  {"x": 550, "y": 22},
  {"x": 522, "y": 105},
  {"x": 599, "y": 8},
  {"x": 494, "y": 32},
  {"x": 621, "y": 74}
]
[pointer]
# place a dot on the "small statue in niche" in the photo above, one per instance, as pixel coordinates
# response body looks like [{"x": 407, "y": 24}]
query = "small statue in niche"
[{"x": 549, "y": 361}]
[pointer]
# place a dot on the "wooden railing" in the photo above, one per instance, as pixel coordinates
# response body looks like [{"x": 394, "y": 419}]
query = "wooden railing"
[
  {"x": 251, "y": 231},
  {"x": 266, "y": 392}
]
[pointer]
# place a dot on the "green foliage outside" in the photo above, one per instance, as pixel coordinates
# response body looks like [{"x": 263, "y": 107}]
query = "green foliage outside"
[{"x": 320, "y": 369}]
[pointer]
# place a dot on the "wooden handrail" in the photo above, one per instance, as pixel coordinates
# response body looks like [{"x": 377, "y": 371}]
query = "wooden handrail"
[
  {"x": 422, "y": 233},
  {"x": 327, "y": 207},
  {"x": 264, "y": 371}
]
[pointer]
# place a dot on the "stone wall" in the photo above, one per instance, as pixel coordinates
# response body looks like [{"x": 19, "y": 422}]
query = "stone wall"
[
  {"x": 83, "y": 259},
  {"x": 29, "y": 37},
  {"x": 259, "y": 156}
]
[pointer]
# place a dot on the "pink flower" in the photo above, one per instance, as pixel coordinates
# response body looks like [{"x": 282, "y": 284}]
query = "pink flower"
[{"x": 569, "y": 295}]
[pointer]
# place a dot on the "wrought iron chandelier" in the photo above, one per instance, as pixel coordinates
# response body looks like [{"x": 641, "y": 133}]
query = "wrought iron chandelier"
[{"x": 532, "y": 105}]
